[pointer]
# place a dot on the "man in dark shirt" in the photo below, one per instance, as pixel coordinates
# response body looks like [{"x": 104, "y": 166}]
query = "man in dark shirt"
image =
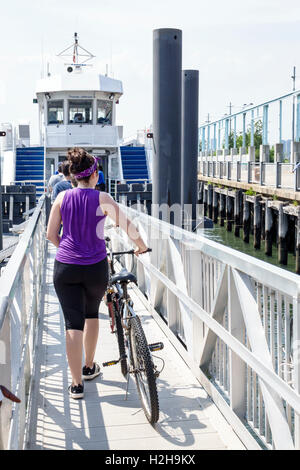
[
  {"x": 65, "y": 183},
  {"x": 101, "y": 180}
]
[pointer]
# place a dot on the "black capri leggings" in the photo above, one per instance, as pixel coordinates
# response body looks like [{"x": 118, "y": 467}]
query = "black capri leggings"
[{"x": 80, "y": 289}]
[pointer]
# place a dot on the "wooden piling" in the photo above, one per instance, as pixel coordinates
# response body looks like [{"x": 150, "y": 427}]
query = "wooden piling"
[
  {"x": 229, "y": 212},
  {"x": 246, "y": 220},
  {"x": 282, "y": 236},
  {"x": 268, "y": 229},
  {"x": 200, "y": 192},
  {"x": 222, "y": 209},
  {"x": 297, "y": 241},
  {"x": 215, "y": 207},
  {"x": 209, "y": 199},
  {"x": 205, "y": 200},
  {"x": 237, "y": 212},
  {"x": 257, "y": 222}
]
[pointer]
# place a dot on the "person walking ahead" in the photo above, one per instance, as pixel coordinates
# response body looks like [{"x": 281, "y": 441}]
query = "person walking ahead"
[
  {"x": 81, "y": 269},
  {"x": 65, "y": 183}
]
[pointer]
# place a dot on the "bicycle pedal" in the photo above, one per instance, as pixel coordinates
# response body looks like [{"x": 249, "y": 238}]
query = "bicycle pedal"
[
  {"x": 110, "y": 363},
  {"x": 156, "y": 346}
]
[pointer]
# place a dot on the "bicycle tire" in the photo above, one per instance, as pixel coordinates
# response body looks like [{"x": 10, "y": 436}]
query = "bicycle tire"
[
  {"x": 121, "y": 343},
  {"x": 141, "y": 359}
]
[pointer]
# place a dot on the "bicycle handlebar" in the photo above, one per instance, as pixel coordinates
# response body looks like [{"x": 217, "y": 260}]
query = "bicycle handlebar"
[{"x": 129, "y": 252}]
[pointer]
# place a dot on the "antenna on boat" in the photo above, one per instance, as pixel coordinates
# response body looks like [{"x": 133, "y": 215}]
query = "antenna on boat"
[{"x": 78, "y": 54}]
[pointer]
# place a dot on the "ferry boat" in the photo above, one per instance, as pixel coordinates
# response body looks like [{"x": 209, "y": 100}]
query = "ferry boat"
[{"x": 77, "y": 107}]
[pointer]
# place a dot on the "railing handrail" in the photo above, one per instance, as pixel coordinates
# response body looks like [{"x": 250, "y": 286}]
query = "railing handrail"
[
  {"x": 286, "y": 281},
  {"x": 250, "y": 108},
  {"x": 12, "y": 269}
]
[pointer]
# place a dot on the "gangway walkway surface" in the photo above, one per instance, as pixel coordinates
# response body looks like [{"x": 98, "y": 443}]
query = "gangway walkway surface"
[{"x": 103, "y": 420}]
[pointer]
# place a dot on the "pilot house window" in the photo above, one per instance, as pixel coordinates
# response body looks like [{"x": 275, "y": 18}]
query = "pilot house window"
[
  {"x": 104, "y": 112},
  {"x": 80, "y": 112},
  {"x": 55, "y": 112}
]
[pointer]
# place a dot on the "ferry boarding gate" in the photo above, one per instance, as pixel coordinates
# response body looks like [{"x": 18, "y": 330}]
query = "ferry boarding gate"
[{"x": 230, "y": 324}]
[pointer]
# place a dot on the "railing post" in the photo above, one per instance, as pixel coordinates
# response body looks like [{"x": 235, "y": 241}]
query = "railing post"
[
  {"x": 238, "y": 171},
  {"x": 249, "y": 172},
  {"x": 261, "y": 165},
  {"x": 237, "y": 367},
  {"x": 277, "y": 176}
]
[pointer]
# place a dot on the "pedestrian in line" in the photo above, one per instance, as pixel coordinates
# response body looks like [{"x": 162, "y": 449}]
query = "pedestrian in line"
[
  {"x": 100, "y": 186},
  {"x": 81, "y": 269},
  {"x": 56, "y": 178},
  {"x": 65, "y": 183}
]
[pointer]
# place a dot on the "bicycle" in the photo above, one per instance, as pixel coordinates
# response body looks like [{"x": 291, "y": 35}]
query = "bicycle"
[{"x": 135, "y": 352}]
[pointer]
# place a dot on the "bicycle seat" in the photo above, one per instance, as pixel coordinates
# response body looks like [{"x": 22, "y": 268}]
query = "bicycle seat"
[{"x": 123, "y": 276}]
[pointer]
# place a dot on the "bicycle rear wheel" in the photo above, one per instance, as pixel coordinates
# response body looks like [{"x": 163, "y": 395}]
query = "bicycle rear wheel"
[
  {"x": 144, "y": 371},
  {"x": 121, "y": 344}
]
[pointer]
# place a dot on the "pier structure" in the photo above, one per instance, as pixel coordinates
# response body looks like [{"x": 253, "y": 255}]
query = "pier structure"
[
  {"x": 274, "y": 223},
  {"x": 255, "y": 170}
]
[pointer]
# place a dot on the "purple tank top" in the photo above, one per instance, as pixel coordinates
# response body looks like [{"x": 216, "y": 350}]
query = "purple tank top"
[{"x": 82, "y": 240}]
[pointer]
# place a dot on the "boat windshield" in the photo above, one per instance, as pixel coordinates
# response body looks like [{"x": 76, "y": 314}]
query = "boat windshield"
[
  {"x": 80, "y": 112},
  {"x": 56, "y": 112},
  {"x": 104, "y": 112}
]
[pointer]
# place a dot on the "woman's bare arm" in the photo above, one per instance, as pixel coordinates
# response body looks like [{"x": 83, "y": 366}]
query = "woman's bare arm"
[
  {"x": 54, "y": 222},
  {"x": 111, "y": 208}
]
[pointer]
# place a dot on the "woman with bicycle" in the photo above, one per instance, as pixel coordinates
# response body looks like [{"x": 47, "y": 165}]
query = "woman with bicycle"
[{"x": 80, "y": 270}]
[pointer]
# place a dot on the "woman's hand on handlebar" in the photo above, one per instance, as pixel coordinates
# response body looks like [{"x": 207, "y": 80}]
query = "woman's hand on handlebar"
[{"x": 140, "y": 251}]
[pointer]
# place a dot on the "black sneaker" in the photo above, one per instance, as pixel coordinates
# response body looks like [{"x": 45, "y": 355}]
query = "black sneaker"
[
  {"x": 76, "y": 391},
  {"x": 89, "y": 374}
]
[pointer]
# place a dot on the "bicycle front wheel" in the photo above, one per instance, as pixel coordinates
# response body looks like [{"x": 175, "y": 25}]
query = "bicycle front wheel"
[{"x": 143, "y": 370}]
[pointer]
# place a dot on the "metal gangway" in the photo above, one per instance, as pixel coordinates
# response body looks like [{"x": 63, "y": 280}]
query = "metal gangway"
[{"x": 231, "y": 328}]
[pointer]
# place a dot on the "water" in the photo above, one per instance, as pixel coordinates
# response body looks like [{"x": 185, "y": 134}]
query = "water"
[{"x": 220, "y": 235}]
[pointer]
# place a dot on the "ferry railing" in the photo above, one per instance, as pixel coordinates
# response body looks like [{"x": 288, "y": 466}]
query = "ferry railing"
[
  {"x": 112, "y": 184},
  {"x": 236, "y": 322},
  {"x": 21, "y": 288}
]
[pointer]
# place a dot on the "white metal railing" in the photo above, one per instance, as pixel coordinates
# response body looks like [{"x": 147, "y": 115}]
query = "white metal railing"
[
  {"x": 21, "y": 285},
  {"x": 278, "y": 175},
  {"x": 239, "y": 320},
  {"x": 113, "y": 183}
]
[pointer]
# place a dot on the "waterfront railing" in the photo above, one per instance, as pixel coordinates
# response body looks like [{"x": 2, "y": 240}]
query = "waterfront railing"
[
  {"x": 21, "y": 300},
  {"x": 276, "y": 175},
  {"x": 234, "y": 319}
]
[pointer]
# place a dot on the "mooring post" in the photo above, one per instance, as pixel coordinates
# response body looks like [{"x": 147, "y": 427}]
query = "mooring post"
[
  {"x": 205, "y": 192},
  {"x": 209, "y": 199},
  {"x": 282, "y": 235},
  {"x": 167, "y": 107},
  {"x": 229, "y": 212},
  {"x": 215, "y": 206},
  {"x": 200, "y": 192},
  {"x": 257, "y": 222},
  {"x": 222, "y": 209},
  {"x": 246, "y": 220},
  {"x": 189, "y": 150},
  {"x": 237, "y": 212},
  {"x": 297, "y": 241},
  {"x": 268, "y": 228}
]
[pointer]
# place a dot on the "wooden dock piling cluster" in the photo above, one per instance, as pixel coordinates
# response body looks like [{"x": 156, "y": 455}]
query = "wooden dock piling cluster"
[{"x": 271, "y": 222}]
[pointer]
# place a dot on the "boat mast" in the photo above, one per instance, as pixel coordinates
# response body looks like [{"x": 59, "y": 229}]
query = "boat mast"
[{"x": 78, "y": 54}]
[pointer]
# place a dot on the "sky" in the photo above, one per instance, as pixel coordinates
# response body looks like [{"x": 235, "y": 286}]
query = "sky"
[{"x": 244, "y": 50}]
